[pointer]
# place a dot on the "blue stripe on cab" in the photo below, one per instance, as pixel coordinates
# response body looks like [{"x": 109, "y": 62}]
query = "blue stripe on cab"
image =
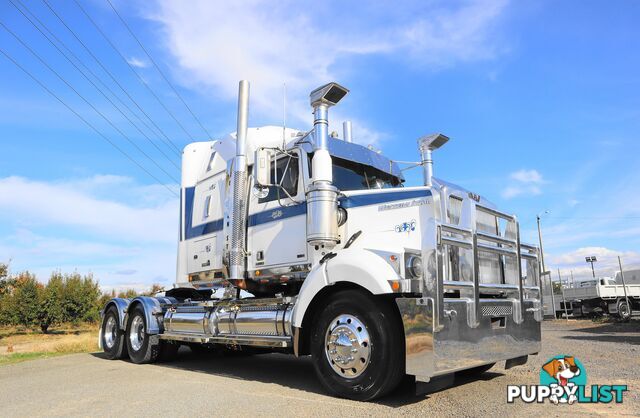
[{"x": 285, "y": 212}]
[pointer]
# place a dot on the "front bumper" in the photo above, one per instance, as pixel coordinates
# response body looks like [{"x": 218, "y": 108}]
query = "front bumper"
[{"x": 456, "y": 345}]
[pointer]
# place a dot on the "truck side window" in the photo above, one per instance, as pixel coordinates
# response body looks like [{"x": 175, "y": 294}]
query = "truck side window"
[{"x": 286, "y": 174}]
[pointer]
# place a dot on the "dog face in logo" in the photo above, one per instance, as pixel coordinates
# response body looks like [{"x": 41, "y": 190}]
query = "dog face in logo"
[{"x": 562, "y": 369}]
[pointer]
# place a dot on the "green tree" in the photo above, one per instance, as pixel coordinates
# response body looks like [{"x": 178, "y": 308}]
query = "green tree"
[
  {"x": 51, "y": 310},
  {"x": 128, "y": 294},
  {"x": 27, "y": 299},
  {"x": 80, "y": 298},
  {"x": 7, "y": 300},
  {"x": 155, "y": 288},
  {"x": 102, "y": 301},
  {"x": 91, "y": 297}
]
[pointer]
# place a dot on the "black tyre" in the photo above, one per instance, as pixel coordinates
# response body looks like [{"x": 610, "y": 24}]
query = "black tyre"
[
  {"x": 475, "y": 371},
  {"x": 142, "y": 347},
  {"x": 112, "y": 336},
  {"x": 357, "y": 346},
  {"x": 624, "y": 313}
]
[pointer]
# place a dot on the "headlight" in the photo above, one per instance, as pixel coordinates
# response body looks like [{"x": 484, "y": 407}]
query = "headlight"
[{"x": 413, "y": 266}]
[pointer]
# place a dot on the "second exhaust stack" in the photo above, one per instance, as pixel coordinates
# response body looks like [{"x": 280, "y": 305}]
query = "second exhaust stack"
[{"x": 237, "y": 231}]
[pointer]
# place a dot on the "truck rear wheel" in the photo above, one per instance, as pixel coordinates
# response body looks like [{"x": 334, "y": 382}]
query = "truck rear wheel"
[
  {"x": 624, "y": 312},
  {"x": 112, "y": 336},
  {"x": 142, "y": 347},
  {"x": 357, "y": 346}
]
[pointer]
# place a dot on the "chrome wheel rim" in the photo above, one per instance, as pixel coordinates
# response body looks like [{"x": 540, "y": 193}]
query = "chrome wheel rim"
[
  {"x": 136, "y": 333},
  {"x": 110, "y": 332},
  {"x": 347, "y": 346}
]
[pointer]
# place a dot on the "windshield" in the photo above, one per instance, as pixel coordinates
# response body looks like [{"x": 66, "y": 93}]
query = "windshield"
[{"x": 348, "y": 175}]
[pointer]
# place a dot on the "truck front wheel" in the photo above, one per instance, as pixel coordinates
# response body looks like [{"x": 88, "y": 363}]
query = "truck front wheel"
[
  {"x": 357, "y": 346},
  {"x": 142, "y": 347}
]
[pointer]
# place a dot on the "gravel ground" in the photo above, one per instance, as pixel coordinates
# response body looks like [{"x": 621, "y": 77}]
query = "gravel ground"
[{"x": 274, "y": 384}]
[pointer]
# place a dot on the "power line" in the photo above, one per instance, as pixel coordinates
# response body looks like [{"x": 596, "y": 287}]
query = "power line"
[
  {"x": 132, "y": 69},
  {"x": 95, "y": 86},
  {"x": 97, "y": 78},
  {"x": 85, "y": 121},
  {"x": 97, "y": 60},
  {"x": 159, "y": 70},
  {"x": 594, "y": 217},
  {"x": 86, "y": 101}
]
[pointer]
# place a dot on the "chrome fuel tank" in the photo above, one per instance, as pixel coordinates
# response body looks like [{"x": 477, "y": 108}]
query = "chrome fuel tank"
[
  {"x": 230, "y": 318},
  {"x": 186, "y": 319}
]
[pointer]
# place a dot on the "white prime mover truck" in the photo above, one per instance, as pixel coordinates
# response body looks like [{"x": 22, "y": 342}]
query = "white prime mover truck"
[{"x": 303, "y": 243}]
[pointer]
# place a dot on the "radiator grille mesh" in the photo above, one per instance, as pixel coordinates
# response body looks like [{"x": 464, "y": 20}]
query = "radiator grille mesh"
[{"x": 501, "y": 310}]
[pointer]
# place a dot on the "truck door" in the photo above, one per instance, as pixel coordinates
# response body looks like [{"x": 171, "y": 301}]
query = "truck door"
[{"x": 277, "y": 220}]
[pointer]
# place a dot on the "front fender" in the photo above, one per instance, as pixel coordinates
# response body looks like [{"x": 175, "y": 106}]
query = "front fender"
[{"x": 354, "y": 265}]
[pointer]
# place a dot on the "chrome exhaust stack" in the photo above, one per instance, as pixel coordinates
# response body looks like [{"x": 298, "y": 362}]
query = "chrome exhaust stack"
[
  {"x": 346, "y": 131},
  {"x": 237, "y": 252},
  {"x": 426, "y": 145},
  {"x": 322, "y": 196}
]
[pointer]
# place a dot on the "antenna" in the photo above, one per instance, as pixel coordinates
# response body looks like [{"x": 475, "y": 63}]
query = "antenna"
[{"x": 284, "y": 114}]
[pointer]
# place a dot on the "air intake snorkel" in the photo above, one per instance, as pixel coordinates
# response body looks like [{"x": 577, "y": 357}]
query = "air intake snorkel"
[
  {"x": 322, "y": 196},
  {"x": 427, "y": 144}
]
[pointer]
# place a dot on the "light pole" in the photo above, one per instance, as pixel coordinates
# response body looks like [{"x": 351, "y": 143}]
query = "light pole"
[
  {"x": 592, "y": 260},
  {"x": 624, "y": 286},
  {"x": 544, "y": 269},
  {"x": 564, "y": 300}
]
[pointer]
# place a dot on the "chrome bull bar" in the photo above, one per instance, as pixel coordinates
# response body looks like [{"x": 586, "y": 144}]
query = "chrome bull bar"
[{"x": 478, "y": 241}]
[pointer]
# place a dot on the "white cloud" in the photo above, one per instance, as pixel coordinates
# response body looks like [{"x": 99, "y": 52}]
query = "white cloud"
[
  {"x": 122, "y": 232},
  {"x": 523, "y": 182},
  {"x": 527, "y": 176},
  {"x": 607, "y": 263},
  {"x": 74, "y": 204},
  {"x": 216, "y": 43},
  {"x": 137, "y": 62}
]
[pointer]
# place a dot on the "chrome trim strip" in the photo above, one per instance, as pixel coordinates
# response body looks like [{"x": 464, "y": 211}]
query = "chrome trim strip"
[{"x": 231, "y": 339}]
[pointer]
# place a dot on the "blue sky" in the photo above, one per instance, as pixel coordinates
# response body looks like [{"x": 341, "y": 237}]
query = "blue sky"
[{"x": 540, "y": 100}]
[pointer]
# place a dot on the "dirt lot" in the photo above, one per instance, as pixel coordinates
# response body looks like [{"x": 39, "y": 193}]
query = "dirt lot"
[{"x": 273, "y": 384}]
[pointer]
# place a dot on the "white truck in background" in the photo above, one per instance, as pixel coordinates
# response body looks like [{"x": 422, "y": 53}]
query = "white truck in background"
[
  {"x": 340, "y": 262},
  {"x": 603, "y": 295}
]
